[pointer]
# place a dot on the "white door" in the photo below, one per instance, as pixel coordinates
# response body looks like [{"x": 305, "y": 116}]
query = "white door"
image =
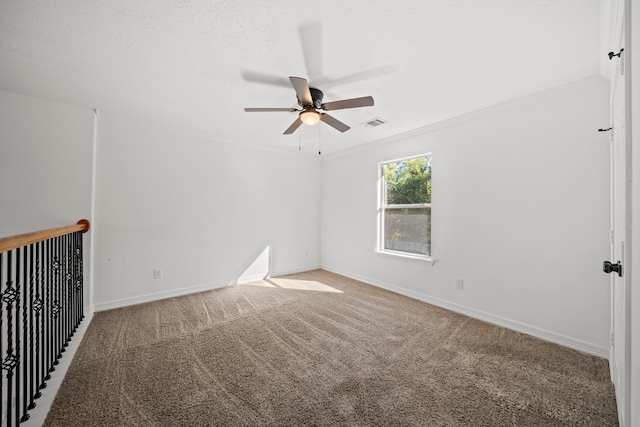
[{"x": 620, "y": 202}]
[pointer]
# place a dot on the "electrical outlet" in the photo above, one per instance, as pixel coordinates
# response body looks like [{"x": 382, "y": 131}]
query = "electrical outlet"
[
  {"x": 459, "y": 284},
  {"x": 157, "y": 273}
]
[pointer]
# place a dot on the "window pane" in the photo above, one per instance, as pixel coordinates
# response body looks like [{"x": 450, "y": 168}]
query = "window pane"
[
  {"x": 408, "y": 230},
  {"x": 408, "y": 181}
]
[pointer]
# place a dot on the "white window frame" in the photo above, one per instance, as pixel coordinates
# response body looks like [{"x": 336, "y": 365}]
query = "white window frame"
[{"x": 382, "y": 206}]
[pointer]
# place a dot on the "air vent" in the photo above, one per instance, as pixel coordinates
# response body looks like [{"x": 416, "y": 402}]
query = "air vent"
[{"x": 374, "y": 122}]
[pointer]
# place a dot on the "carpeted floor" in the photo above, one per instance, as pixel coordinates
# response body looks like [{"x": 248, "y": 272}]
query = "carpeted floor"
[{"x": 318, "y": 349}]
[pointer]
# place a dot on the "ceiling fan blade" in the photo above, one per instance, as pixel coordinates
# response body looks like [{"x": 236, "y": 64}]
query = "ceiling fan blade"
[
  {"x": 365, "y": 101},
  {"x": 255, "y": 110},
  {"x": 326, "y": 82},
  {"x": 311, "y": 40},
  {"x": 333, "y": 122},
  {"x": 302, "y": 90},
  {"x": 295, "y": 125},
  {"x": 253, "y": 76}
]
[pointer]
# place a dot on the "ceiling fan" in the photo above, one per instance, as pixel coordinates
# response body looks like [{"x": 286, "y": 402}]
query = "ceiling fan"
[{"x": 310, "y": 101}]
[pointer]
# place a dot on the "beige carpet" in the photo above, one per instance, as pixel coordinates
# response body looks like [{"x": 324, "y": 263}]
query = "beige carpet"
[{"x": 324, "y": 350}]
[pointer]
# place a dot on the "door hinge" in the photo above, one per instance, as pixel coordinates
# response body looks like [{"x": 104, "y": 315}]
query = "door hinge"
[
  {"x": 611, "y": 339},
  {"x": 611, "y": 234},
  {"x": 611, "y": 55}
]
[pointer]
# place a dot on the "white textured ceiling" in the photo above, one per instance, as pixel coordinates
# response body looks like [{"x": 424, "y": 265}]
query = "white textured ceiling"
[{"x": 195, "y": 64}]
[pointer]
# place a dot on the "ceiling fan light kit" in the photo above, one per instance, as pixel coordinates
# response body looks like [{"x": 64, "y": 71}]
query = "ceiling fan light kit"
[
  {"x": 310, "y": 117},
  {"x": 310, "y": 101}
]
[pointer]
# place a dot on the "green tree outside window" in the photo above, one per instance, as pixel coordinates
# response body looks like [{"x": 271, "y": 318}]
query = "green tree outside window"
[{"x": 406, "y": 205}]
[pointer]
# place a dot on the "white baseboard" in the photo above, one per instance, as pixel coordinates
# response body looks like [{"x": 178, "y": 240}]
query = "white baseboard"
[
  {"x": 295, "y": 270},
  {"x": 242, "y": 280},
  {"x": 156, "y": 296},
  {"x": 563, "y": 340}
]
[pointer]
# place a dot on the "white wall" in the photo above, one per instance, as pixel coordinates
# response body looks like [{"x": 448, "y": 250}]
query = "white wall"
[
  {"x": 46, "y": 150},
  {"x": 200, "y": 210},
  {"x": 46, "y": 155},
  {"x": 520, "y": 212}
]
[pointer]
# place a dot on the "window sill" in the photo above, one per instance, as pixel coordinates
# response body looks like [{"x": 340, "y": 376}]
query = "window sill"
[{"x": 408, "y": 257}]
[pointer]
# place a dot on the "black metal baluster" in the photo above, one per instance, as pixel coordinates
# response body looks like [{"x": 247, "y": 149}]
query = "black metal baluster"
[
  {"x": 8, "y": 296},
  {"x": 72, "y": 285},
  {"x": 21, "y": 383},
  {"x": 37, "y": 306},
  {"x": 76, "y": 270},
  {"x": 16, "y": 313},
  {"x": 48, "y": 319},
  {"x": 31, "y": 299},
  {"x": 55, "y": 307},
  {"x": 2, "y": 280},
  {"x": 35, "y": 329},
  {"x": 46, "y": 273},
  {"x": 69, "y": 293},
  {"x": 53, "y": 313},
  {"x": 61, "y": 282},
  {"x": 63, "y": 295},
  {"x": 40, "y": 336},
  {"x": 72, "y": 288},
  {"x": 81, "y": 277},
  {"x": 59, "y": 299},
  {"x": 16, "y": 376}
]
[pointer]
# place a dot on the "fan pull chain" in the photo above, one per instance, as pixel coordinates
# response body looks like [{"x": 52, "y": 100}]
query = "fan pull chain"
[{"x": 319, "y": 137}]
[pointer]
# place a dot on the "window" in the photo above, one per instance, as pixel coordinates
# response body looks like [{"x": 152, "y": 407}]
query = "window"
[{"x": 405, "y": 206}]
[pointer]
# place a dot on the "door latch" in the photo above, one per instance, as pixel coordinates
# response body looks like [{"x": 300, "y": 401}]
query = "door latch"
[{"x": 609, "y": 267}]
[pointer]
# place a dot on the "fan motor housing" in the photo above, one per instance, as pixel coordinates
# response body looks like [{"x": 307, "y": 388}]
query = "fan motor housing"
[{"x": 316, "y": 95}]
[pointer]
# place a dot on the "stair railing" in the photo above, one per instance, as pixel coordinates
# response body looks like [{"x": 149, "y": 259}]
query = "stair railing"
[{"x": 41, "y": 306}]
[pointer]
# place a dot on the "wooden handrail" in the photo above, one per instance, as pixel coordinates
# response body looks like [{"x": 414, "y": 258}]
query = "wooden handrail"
[{"x": 13, "y": 242}]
